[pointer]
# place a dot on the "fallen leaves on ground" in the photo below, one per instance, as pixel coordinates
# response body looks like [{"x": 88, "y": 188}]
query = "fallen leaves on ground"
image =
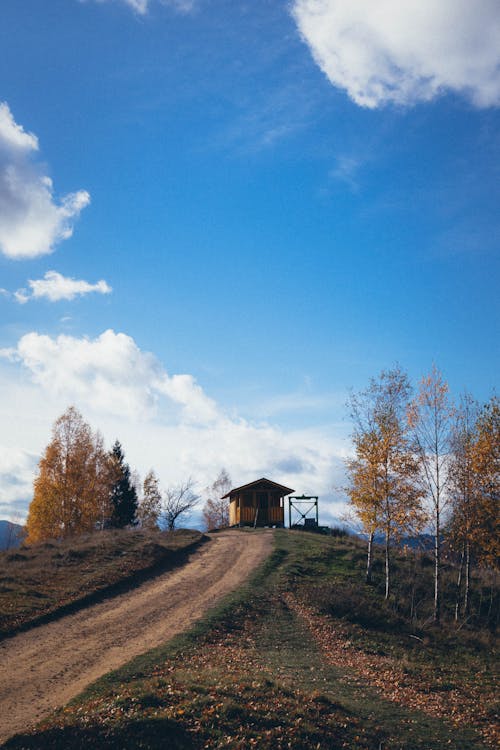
[{"x": 460, "y": 705}]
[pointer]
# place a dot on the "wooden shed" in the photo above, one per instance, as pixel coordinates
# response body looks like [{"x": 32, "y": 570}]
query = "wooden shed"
[{"x": 259, "y": 503}]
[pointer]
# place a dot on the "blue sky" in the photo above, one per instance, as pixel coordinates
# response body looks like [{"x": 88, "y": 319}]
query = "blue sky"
[{"x": 276, "y": 200}]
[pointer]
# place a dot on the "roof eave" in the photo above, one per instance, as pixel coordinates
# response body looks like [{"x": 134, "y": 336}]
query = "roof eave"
[{"x": 286, "y": 490}]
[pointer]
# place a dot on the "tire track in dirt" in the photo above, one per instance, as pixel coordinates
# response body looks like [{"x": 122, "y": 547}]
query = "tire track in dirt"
[{"x": 45, "y": 667}]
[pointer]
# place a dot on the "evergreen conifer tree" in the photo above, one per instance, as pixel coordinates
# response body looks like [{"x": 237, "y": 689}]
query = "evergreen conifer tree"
[{"x": 123, "y": 493}]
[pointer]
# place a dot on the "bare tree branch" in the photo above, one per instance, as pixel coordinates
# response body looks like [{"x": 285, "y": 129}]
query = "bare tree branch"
[{"x": 178, "y": 501}]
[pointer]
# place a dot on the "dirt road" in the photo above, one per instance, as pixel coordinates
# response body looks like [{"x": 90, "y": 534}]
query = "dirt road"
[{"x": 47, "y": 666}]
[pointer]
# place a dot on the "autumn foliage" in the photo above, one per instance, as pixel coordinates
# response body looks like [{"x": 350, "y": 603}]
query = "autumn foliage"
[
  {"x": 485, "y": 529},
  {"x": 420, "y": 463},
  {"x": 383, "y": 487},
  {"x": 72, "y": 489}
]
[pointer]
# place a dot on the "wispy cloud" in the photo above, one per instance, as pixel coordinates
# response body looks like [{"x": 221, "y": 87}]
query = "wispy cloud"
[
  {"x": 32, "y": 222},
  {"x": 405, "y": 52},
  {"x": 346, "y": 170},
  {"x": 305, "y": 401},
  {"x": 55, "y": 287},
  {"x": 142, "y": 6},
  {"x": 269, "y": 118}
]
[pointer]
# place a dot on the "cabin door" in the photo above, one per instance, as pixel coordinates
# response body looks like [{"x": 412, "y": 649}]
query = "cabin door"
[{"x": 263, "y": 505}]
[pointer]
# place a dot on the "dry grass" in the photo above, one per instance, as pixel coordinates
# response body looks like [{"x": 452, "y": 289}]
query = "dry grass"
[
  {"x": 48, "y": 579},
  {"x": 266, "y": 671}
]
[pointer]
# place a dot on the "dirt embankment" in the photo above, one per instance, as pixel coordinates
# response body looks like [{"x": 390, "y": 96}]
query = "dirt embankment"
[{"x": 47, "y": 666}]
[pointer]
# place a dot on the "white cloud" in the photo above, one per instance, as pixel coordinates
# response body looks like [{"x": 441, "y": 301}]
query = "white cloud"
[
  {"x": 55, "y": 287},
  {"x": 16, "y": 471},
  {"x": 13, "y": 135},
  {"x": 346, "y": 170},
  {"x": 32, "y": 222},
  {"x": 183, "y": 6},
  {"x": 109, "y": 374},
  {"x": 165, "y": 421},
  {"x": 404, "y": 51},
  {"x": 142, "y": 6}
]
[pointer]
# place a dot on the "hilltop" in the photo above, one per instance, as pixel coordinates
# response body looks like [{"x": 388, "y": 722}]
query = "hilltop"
[{"x": 304, "y": 656}]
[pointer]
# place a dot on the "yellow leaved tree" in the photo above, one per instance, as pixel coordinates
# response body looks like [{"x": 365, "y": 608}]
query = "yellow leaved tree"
[
  {"x": 486, "y": 464},
  {"x": 383, "y": 474},
  {"x": 72, "y": 489}
]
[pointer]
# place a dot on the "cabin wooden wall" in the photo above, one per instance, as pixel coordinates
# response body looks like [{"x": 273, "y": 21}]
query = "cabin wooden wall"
[{"x": 242, "y": 508}]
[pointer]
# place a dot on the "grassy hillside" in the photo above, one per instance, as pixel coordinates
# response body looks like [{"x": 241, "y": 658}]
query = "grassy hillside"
[
  {"x": 279, "y": 665},
  {"x": 48, "y": 579}
]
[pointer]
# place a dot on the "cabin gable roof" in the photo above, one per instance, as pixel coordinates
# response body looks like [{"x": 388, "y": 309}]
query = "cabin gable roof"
[{"x": 259, "y": 482}]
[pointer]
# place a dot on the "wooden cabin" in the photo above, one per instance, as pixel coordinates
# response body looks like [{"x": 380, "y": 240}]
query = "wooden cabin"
[{"x": 259, "y": 503}]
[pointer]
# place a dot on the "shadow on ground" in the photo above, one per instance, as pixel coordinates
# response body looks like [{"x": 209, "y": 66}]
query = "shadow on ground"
[{"x": 150, "y": 734}]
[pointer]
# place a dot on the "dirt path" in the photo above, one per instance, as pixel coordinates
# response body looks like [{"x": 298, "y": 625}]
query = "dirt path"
[{"x": 47, "y": 666}]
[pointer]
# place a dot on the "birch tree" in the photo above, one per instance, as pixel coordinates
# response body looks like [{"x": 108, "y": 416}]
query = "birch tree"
[
  {"x": 364, "y": 489},
  {"x": 383, "y": 490},
  {"x": 463, "y": 492},
  {"x": 430, "y": 416},
  {"x": 149, "y": 509},
  {"x": 216, "y": 510}
]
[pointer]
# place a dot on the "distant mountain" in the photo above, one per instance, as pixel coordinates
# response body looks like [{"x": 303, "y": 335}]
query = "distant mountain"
[
  {"x": 10, "y": 534},
  {"x": 424, "y": 542}
]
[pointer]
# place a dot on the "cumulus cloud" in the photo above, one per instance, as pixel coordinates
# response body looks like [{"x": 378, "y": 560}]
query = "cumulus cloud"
[
  {"x": 14, "y": 136},
  {"x": 32, "y": 221},
  {"x": 55, "y": 287},
  {"x": 165, "y": 421},
  {"x": 109, "y": 374},
  {"x": 405, "y": 52}
]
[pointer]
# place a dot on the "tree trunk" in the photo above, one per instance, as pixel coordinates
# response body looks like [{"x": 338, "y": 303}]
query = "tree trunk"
[
  {"x": 490, "y": 606},
  {"x": 437, "y": 570},
  {"x": 467, "y": 578},
  {"x": 459, "y": 584},
  {"x": 369, "y": 558},
  {"x": 413, "y": 613},
  {"x": 387, "y": 566}
]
